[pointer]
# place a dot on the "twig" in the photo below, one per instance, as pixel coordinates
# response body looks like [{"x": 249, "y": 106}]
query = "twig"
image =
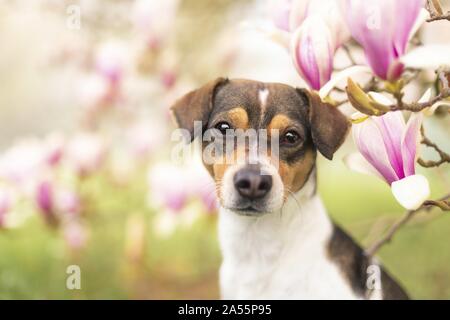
[
  {"x": 435, "y": 10},
  {"x": 349, "y": 54},
  {"x": 426, "y": 206},
  {"x": 444, "y": 157},
  {"x": 442, "y": 73}
]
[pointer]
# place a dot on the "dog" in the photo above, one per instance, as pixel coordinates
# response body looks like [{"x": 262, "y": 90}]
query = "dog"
[{"x": 276, "y": 238}]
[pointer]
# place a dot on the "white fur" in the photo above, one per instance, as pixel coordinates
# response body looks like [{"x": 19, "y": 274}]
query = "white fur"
[
  {"x": 230, "y": 195},
  {"x": 281, "y": 255},
  {"x": 263, "y": 95}
]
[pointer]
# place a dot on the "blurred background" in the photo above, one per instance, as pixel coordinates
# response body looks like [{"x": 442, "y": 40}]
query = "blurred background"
[{"x": 85, "y": 172}]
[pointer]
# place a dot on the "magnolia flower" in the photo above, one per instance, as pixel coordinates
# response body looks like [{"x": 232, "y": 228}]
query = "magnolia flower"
[
  {"x": 110, "y": 61},
  {"x": 280, "y": 11},
  {"x": 53, "y": 148},
  {"x": 390, "y": 147},
  {"x": 144, "y": 136},
  {"x": 22, "y": 162},
  {"x": 53, "y": 200},
  {"x": 288, "y": 15},
  {"x": 316, "y": 29},
  {"x": 203, "y": 187},
  {"x": 172, "y": 187},
  {"x": 67, "y": 201},
  {"x": 312, "y": 50},
  {"x": 45, "y": 199},
  {"x": 94, "y": 92},
  {"x": 383, "y": 29},
  {"x": 85, "y": 152},
  {"x": 75, "y": 235},
  {"x": 168, "y": 186},
  {"x": 154, "y": 20},
  {"x": 5, "y": 205}
]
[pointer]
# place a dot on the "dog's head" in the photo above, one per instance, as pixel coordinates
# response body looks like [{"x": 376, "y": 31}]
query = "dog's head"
[{"x": 303, "y": 124}]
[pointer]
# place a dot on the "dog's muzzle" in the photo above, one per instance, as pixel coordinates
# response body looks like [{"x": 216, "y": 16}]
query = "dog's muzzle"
[{"x": 253, "y": 186}]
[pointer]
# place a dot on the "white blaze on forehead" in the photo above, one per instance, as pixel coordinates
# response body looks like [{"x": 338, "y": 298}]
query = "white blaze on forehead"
[{"x": 263, "y": 94}]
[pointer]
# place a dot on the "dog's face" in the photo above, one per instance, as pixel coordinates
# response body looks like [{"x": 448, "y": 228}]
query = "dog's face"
[{"x": 303, "y": 124}]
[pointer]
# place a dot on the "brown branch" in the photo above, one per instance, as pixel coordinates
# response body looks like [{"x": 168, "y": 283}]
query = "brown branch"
[
  {"x": 442, "y": 74},
  {"x": 435, "y": 10},
  {"x": 349, "y": 54},
  {"x": 444, "y": 157},
  {"x": 442, "y": 203},
  {"x": 419, "y": 106}
]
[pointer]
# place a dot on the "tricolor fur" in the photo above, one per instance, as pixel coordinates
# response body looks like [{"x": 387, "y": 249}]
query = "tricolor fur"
[{"x": 276, "y": 237}]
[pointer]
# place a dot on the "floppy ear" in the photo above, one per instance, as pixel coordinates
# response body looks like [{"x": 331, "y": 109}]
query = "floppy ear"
[
  {"x": 329, "y": 126},
  {"x": 195, "y": 106}
]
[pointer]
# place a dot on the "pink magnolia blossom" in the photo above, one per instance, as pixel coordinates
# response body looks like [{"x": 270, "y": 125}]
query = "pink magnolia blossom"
[
  {"x": 5, "y": 205},
  {"x": 54, "y": 148},
  {"x": 383, "y": 29},
  {"x": 390, "y": 145},
  {"x": 280, "y": 11},
  {"x": 144, "y": 136},
  {"x": 173, "y": 186},
  {"x": 317, "y": 30},
  {"x": 110, "y": 61},
  {"x": 45, "y": 199},
  {"x": 168, "y": 186},
  {"x": 154, "y": 20},
  {"x": 54, "y": 200},
  {"x": 22, "y": 162},
  {"x": 288, "y": 15},
  {"x": 67, "y": 201},
  {"x": 75, "y": 235},
  {"x": 85, "y": 152},
  {"x": 203, "y": 187},
  {"x": 312, "y": 50}
]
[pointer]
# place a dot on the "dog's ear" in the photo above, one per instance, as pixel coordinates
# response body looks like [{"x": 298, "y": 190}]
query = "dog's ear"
[
  {"x": 195, "y": 106},
  {"x": 329, "y": 126}
]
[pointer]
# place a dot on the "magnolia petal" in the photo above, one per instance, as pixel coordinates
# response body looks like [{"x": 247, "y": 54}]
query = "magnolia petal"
[
  {"x": 426, "y": 96},
  {"x": 383, "y": 29},
  {"x": 280, "y": 11},
  {"x": 340, "y": 76},
  {"x": 410, "y": 142},
  {"x": 370, "y": 144},
  {"x": 421, "y": 18},
  {"x": 363, "y": 102},
  {"x": 380, "y": 98},
  {"x": 411, "y": 191},
  {"x": 391, "y": 126},
  {"x": 329, "y": 10},
  {"x": 430, "y": 56},
  {"x": 358, "y": 117},
  {"x": 409, "y": 15},
  {"x": 297, "y": 13},
  {"x": 312, "y": 51},
  {"x": 356, "y": 162},
  {"x": 430, "y": 111}
]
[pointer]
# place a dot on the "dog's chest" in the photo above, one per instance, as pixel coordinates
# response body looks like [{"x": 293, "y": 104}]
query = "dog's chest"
[{"x": 273, "y": 258}]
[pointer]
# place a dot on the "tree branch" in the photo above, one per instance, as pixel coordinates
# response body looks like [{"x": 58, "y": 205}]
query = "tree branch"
[
  {"x": 443, "y": 74},
  {"x": 442, "y": 203},
  {"x": 435, "y": 10},
  {"x": 444, "y": 157}
]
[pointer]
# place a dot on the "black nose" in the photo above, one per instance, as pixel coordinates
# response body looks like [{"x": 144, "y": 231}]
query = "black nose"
[{"x": 251, "y": 184}]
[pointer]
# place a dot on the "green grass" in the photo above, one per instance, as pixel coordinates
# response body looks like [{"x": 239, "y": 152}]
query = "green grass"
[{"x": 34, "y": 257}]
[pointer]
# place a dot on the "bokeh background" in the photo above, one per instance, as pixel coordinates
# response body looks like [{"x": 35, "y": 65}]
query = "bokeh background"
[{"x": 86, "y": 176}]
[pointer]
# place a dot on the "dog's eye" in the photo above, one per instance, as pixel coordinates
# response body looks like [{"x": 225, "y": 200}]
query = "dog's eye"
[
  {"x": 290, "y": 137},
  {"x": 223, "y": 127}
]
